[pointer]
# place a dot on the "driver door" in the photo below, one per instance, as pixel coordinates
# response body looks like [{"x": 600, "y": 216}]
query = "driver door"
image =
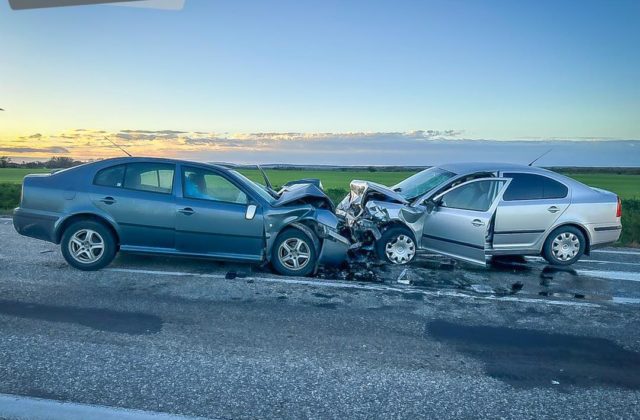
[
  {"x": 216, "y": 217},
  {"x": 459, "y": 224}
]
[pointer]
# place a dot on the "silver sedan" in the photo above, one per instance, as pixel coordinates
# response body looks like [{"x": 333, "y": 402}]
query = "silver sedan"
[{"x": 473, "y": 211}]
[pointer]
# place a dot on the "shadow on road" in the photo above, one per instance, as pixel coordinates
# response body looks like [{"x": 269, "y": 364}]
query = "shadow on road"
[
  {"x": 529, "y": 358},
  {"x": 135, "y": 323}
]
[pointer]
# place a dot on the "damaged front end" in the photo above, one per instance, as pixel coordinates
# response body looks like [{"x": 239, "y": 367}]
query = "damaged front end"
[
  {"x": 370, "y": 209},
  {"x": 304, "y": 206}
]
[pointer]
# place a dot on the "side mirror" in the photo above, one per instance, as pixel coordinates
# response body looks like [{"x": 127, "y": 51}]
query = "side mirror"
[
  {"x": 430, "y": 205},
  {"x": 251, "y": 211}
]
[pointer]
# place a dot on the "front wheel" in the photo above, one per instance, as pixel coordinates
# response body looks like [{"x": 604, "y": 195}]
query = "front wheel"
[
  {"x": 396, "y": 246},
  {"x": 294, "y": 253},
  {"x": 564, "y": 246},
  {"x": 88, "y": 245}
]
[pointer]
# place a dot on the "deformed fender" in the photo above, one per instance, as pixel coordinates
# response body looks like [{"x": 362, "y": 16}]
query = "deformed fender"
[{"x": 330, "y": 246}]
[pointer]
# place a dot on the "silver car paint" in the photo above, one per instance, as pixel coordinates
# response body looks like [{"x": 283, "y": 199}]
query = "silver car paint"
[{"x": 521, "y": 227}]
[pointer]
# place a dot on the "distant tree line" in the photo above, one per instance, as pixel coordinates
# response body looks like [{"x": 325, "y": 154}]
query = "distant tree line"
[{"x": 56, "y": 162}]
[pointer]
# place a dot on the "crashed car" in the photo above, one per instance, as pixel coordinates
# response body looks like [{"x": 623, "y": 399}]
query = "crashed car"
[
  {"x": 475, "y": 211},
  {"x": 163, "y": 206}
]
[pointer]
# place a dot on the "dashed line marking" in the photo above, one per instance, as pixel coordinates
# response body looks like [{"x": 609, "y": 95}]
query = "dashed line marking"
[
  {"x": 612, "y": 275},
  {"x": 610, "y": 251}
]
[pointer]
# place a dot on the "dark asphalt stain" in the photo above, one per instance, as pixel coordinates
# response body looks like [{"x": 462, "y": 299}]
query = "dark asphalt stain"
[
  {"x": 326, "y": 305},
  {"x": 324, "y": 296},
  {"x": 413, "y": 296},
  {"x": 529, "y": 358},
  {"x": 135, "y": 323}
]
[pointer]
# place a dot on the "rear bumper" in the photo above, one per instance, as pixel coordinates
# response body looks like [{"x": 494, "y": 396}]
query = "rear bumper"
[
  {"x": 35, "y": 224},
  {"x": 604, "y": 235}
]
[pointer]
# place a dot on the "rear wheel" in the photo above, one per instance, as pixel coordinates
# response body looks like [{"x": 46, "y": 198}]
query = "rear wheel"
[
  {"x": 88, "y": 245},
  {"x": 294, "y": 253},
  {"x": 396, "y": 246},
  {"x": 564, "y": 246}
]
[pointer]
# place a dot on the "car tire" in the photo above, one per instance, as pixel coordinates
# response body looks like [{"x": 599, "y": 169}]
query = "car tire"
[
  {"x": 397, "y": 246},
  {"x": 564, "y": 246},
  {"x": 294, "y": 253},
  {"x": 88, "y": 245}
]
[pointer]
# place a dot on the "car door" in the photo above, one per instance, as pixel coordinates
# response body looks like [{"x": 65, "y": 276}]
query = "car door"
[
  {"x": 529, "y": 207},
  {"x": 217, "y": 217},
  {"x": 139, "y": 197},
  {"x": 460, "y": 218}
]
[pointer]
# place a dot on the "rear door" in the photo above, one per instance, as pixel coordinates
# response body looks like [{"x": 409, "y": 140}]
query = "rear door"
[
  {"x": 530, "y": 205},
  {"x": 459, "y": 224},
  {"x": 138, "y": 196},
  {"x": 212, "y": 217}
]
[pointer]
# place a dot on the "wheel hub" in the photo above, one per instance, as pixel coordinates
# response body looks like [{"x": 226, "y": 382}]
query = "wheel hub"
[{"x": 400, "y": 250}]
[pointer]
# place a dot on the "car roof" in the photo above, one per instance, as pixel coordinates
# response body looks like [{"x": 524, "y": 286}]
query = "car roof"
[
  {"x": 136, "y": 159},
  {"x": 461, "y": 168}
]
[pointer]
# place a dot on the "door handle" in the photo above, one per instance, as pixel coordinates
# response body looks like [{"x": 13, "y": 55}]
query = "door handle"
[
  {"x": 553, "y": 209},
  {"x": 477, "y": 222},
  {"x": 187, "y": 210},
  {"x": 108, "y": 200}
]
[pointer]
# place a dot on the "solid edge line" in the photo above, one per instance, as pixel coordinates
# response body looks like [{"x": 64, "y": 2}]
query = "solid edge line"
[
  {"x": 22, "y": 407},
  {"x": 360, "y": 286}
]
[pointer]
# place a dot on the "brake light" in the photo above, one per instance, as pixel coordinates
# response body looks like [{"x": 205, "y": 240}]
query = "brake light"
[{"x": 619, "y": 209}]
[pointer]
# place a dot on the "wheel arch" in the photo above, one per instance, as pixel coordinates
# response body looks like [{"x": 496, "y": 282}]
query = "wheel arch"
[
  {"x": 64, "y": 224},
  {"x": 307, "y": 227},
  {"x": 584, "y": 230}
]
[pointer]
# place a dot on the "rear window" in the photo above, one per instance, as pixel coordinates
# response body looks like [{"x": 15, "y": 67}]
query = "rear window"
[
  {"x": 110, "y": 177},
  {"x": 153, "y": 177},
  {"x": 533, "y": 187}
]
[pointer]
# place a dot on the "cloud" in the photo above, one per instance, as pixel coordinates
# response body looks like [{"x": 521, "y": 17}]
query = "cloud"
[
  {"x": 50, "y": 149},
  {"x": 35, "y": 136}
]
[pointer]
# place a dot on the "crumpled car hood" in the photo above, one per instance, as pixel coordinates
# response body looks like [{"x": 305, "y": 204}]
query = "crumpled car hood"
[
  {"x": 301, "y": 193},
  {"x": 361, "y": 189}
]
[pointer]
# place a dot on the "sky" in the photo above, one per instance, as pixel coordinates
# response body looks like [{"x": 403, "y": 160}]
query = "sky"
[{"x": 326, "y": 82}]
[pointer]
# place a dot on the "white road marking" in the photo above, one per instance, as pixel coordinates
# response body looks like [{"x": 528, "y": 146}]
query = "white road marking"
[
  {"x": 607, "y": 262},
  {"x": 625, "y": 300},
  {"x": 540, "y": 259},
  {"x": 611, "y": 251},
  {"x": 360, "y": 286},
  {"x": 19, "y": 407},
  {"x": 612, "y": 275}
]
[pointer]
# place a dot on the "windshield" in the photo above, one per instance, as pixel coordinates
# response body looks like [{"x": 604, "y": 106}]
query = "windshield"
[
  {"x": 418, "y": 184},
  {"x": 261, "y": 190}
]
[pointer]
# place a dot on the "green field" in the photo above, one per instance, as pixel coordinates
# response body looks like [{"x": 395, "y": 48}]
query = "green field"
[
  {"x": 15, "y": 175},
  {"x": 336, "y": 184},
  {"x": 626, "y": 186}
]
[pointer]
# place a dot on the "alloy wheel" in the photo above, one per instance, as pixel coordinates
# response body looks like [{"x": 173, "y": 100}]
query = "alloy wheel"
[
  {"x": 294, "y": 253},
  {"x": 86, "y": 246}
]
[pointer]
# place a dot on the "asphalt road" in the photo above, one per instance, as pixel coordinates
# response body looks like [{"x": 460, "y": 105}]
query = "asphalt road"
[{"x": 199, "y": 338}]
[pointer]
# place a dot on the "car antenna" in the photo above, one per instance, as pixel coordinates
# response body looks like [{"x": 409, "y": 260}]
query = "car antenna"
[
  {"x": 117, "y": 145},
  {"x": 536, "y": 159}
]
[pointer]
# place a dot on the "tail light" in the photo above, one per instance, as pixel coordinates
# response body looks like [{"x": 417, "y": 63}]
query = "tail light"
[{"x": 619, "y": 209}]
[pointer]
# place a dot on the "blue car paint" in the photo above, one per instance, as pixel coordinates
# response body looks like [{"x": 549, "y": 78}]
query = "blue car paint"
[{"x": 150, "y": 222}]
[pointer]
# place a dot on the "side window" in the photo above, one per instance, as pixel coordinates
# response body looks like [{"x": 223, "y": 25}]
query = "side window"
[
  {"x": 208, "y": 185},
  {"x": 554, "y": 189},
  {"x": 153, "y": 177},
  {"x": 533, "y": 187},
  {"x": 110, "y": 177},
  {"x": 476, "y": 196}
]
